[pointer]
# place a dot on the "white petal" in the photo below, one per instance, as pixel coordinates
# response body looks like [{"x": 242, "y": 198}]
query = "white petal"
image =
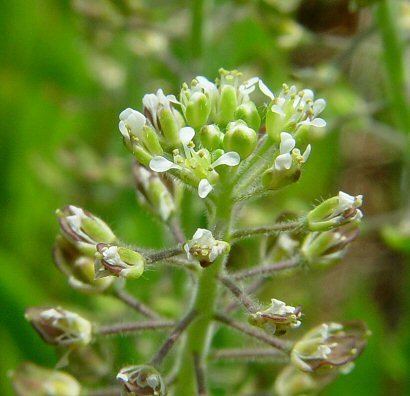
[
  {"x": 278, "y": 110},
  {"x": 124, "y": 130},
  {"x": 251, "y": 82},
  {"x": 135, "y": 121},
  {"x": 230, "y": 159},
  {"x": 204, "y": 188},
  {"x": 306, "y": 154},
  {"x": 287, "y": 143},
  {"x": 126, "y": 113},
  {"x": 186, "y": 134},
  {"x": 198, "y": 233},
  {"x": 308, "y": 94},
  {"x": 318, "y": 106},
  {"x": 283, "y": 161},
  {"x": 265, "y": 90},
  {"x": 161, "y": 164},
  {"x": 150, "y": 102},
  {"x": 346, "y": 201},
  {"x": 318, "y": 123}
]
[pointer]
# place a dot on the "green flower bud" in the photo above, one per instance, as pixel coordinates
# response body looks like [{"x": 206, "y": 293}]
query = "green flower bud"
[
  {"x": 274, "y": 179},
  {"x": 153, "y": 192},
  {"x": 397, "y": 236},
  {"x": 330, "y": 346},
  {"x": 324, "y": 248},
  {"x": 33, "y": 380},
  {"x": 240, "y": 138},
  {"x": 59, "y": 327},
  {"x": 197, "y": 110},
  {"x": 335, "y": 212},
  {"x": 118, "y": 261},
  {"x": 249, "y": 113},
  {"x": 169, "y": 126},
  {"x": 78, "y": 268},
  {"x": 83, "y": 229},
  {"x": 151, "y": 141},
  {"x": 277, "y": 318},
  {"x": 211, "y": 137},
  {"x": 228, "y": 103},
  {"x": 204, "y": 247},
  {"x": 141, "y": 380},
  {"x": 275, "y": 123}
]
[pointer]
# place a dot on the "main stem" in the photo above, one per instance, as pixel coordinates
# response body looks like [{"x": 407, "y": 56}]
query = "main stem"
[{"x": 200, "y": 332}]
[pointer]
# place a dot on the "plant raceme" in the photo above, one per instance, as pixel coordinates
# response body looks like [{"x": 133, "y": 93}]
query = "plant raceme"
[{"x": 230, "y": 141}]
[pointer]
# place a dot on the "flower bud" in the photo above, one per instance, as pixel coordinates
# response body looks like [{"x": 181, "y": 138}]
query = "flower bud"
[
  {"x": 33, "y": 380},
  {"x": 197, "y": 110},
  {"x": 141, "y": 380},
  {"x": 334, "y": 212},
  {"x": 83, "y": 229},
  {"x": 293, "y": 382},
  {"x": 111, "y": 260},
  {"x": 330, "y": 346},
  {"x": 78, "y": 268},
  {"x": 227, "y": 104},
  {"x": 324, "y": 248},
  {"x": 249, "y": 113},
  {"x": 153, "y": 192},
  {"x": 211, "y": 137},
  {"x": 169, "y": 126},
  {"x": 275, "y": 123},
  {"x": 278, "y": 318},
  {"x": 240, "y": 138},
  {"x": 151, "y": 141},
  {"x": 59, "y": 327},
  {"x": 204, "y": 247}
]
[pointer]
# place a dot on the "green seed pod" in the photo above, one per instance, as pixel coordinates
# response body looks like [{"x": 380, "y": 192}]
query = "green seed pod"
[
  {"x": 197, "y": 110},
  {"x": 249, "y": 113},
  {"x": 240, "y": 138},
  {"x": 211, "y": 137},
  {"x": 227, "y": 105}
]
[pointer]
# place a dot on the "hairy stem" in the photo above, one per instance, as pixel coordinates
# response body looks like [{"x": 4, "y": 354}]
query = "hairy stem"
[
  {"x": 135, "y": 304},
  {"x": 239, "y": 294},
  {"x": 164, "y": 254},
  {"x": 249, "y": 354},
  {"x": 266, "y": 269},
  {"x": 176, "y": 230},
  {"x": 172, "y": 339},
  {"x": 254, "y": 332},
  {"x": 120, "y": 328}
]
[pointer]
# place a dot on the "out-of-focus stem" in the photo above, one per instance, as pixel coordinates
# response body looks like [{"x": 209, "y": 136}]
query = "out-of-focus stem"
[
  {"x": 272, "y": 354},
  {"x": 197, "y": 28},
  {"x": 131, "y": 327},
  {"x": 239, "y": 294},
  {"x": 266, "y": 230}
]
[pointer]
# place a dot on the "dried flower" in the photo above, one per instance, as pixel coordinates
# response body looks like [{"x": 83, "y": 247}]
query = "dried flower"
[{"x": 141, "y": 380}]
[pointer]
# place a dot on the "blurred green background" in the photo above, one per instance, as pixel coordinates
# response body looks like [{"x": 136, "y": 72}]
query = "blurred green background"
[{"x": 69, "y": 67}]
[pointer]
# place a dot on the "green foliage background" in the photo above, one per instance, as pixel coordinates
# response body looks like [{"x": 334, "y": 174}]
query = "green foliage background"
[{"x": 60, "y": 144}]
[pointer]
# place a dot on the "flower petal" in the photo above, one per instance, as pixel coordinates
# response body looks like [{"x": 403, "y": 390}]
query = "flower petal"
[
  {"x": 265, "y": 90},
  {"x": 126, "y": 113},
  {"x": 283, "y": 161},
  {"x": 204, "y": 188},
  {"x": 318, "y": 106},
  {"x": 230, "y": 158},
  {"x": 135, "y": 121},
  {"x": 318, "y": 123},
  {"x": 306, "y": 153},
  {"x": 278, "y": 110},
  {"x": 186, "y": 134},
  {"x": 287, "y": 143},
  {"x": 124, "y": 130},
  {"x": 161, "y": 164}
]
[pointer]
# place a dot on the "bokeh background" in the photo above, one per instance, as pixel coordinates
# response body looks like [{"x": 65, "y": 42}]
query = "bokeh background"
[{"x": 69, "y": 67}]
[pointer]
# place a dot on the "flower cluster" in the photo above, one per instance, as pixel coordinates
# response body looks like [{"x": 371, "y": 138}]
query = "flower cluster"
[{"x": 215, "y": 126}]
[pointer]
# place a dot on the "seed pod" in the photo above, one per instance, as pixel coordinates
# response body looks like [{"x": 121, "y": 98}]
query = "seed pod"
[
  {"x": 141, "y": 380},
  {"x": 60, "y": 327}
]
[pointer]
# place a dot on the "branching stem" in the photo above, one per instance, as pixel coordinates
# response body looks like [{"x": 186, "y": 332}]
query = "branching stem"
[
  {"x": 239, "y": 294},
  {"x": 164, "y": 254},
  {"x": 249, "y": 354}
]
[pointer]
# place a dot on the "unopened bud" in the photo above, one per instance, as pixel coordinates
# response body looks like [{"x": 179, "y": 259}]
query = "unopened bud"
[
  {"x": 274, "y": 179},
  {"x": 249, "y": 113},
  {"x": 335, "y": 212},
  {"x": 83, "y": 229},
  {"x": 228, "y": 103},
  {"x": 197, "y": 110},
  {"x": 325, "y": 248},
  {"x": 169, "y": 126},
  {"x": 78, "y": 268},
  {"x": 153, "y": 192},
  {"x": 30, "y": 379},
  {"x": 151, "y": 141},
  {"x": 141, "y": 380},
  {"x": 240, "y": 138},
  {"x": 278, "y": 318},
  {"x": 330, "y": 346},
  {"x": 60, "y": 327},
  {"x": 111, "y": 260},
  {"x": 211, "y": 137},
  {"x": 275, "y": 122},
  {"x": 204, "y": 247}
]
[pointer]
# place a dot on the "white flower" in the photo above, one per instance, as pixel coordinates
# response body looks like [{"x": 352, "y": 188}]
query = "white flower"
[
  {"x": 286, "y": 148},
  {"x": 131, "y": 123},
  {"x": 205, "y": 247},
  {"x": 154, "y": 102},
  {"x": 347, "y": 201}
]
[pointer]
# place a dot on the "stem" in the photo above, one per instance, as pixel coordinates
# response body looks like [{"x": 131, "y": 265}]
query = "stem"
[
  {"x": 120, "y": 328},
  {"x": 254, "y": 332},
  {"x": 164, "y": 254},
  {"x": 200, "y": 333},
  {"x": 137, "y": 305},
  {"x": 200, "y": 376},
  {"x": 266, "y": 269},
  {"x": 197, "y": 28},
  {"x": 249, "y": 354},
  {"x": 266, "y": 230},
  {"x": 239, "y": 294},
  {"x": 172, "y": 339},
  {"x": 175, "y": 227},
  {"x": 251, "y": 289}
]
